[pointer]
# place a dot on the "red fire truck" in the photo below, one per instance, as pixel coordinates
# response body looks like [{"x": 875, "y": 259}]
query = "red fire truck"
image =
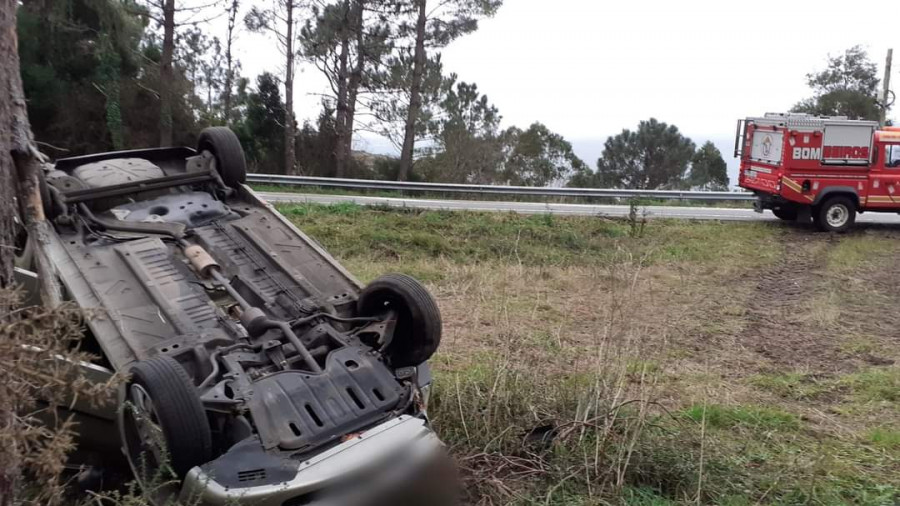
[{"x": 826, "y": 168}]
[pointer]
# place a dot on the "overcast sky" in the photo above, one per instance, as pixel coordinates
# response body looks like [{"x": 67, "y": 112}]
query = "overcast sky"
[{"x": 589, "y": 68}]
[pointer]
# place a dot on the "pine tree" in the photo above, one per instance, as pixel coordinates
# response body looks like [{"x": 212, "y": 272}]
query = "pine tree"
[
  {"x": 708, "y": 169},
  {"x": 281, "y": 19},
  {"x": 654, "y": 156},
  {"x": 433, "y": 24},
  {"x": 346, "y": 41}
]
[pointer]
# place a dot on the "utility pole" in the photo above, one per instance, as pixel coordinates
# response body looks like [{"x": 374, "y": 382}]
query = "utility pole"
[{"x": 887, "y": 86}]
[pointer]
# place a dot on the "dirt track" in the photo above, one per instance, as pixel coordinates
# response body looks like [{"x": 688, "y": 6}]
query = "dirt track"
[
  {"x": 802, "y": 312},
  {"x": 774, "y": 329}
]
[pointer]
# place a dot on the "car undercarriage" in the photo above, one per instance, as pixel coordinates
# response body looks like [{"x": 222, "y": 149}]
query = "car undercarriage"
[{"x": 251, "y": 351}]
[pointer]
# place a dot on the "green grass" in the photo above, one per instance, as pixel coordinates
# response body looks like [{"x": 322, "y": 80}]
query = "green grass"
[
  {"x": 644, "y": 496},
  {"x": 885, "y": 438},
  {"x": 875, "y": 384},
  {"x": 353, "y": 231},
  {"x": 795, "y": 386},
  {"x": 753, "y": 417},
  {"x": 751, "y": 454},
  {"x": 852, "y": 251},
  {"x": 639, "y": 367},
  {"x": 857, "y": 345},
  {"x": 383, "y": 235}
]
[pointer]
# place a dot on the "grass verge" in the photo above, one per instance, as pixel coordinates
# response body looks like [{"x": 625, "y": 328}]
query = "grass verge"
[{"x": 583, "y": 365}]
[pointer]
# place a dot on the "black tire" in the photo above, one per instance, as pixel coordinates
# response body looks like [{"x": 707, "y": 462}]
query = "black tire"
[
  {"x": 175, "y": 408},
  {"x": 225, "y": 146},
  {"x": 785, "y": 213},
  {"x": 836, "y": 214},
  {"x": 418, "y": 331}
]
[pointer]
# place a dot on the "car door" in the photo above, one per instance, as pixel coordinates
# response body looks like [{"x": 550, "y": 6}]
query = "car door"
[{"x": 884, "y": 192}]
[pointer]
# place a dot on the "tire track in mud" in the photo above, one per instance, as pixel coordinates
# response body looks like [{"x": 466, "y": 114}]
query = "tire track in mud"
[{"x": 780, "y": 328}]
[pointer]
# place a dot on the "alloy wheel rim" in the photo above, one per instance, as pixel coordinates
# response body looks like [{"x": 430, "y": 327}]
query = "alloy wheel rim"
[{"x": 145, "y": 440}]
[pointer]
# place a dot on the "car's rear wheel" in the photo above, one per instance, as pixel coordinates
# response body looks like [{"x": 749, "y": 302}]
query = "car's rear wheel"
[
  {"x": 785, "y": 213},
  {"x": 836, "y": 214},
  {"x": 225, "y": 147},
  {"x": 417, "y": 333},
  {"x": 162, "y": 423}
]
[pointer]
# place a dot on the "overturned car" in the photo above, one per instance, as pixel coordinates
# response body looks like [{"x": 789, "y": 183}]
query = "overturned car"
[{"x": 260, "y": 370}]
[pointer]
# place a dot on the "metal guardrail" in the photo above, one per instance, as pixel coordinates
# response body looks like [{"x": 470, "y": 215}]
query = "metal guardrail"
[{"x": 367, "y": 184}]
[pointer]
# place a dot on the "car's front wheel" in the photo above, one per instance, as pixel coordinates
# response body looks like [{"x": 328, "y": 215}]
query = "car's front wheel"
[
  {"x": 162, "y": 423},
  {"x": 836, "y": 214},
  {"x": 418, "y": 331}
]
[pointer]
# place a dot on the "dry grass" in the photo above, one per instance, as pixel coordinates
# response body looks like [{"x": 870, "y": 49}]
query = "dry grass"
[
  {"x": 547, "y": 398},
  {"x": 703, "y": 363},
  {"x": 710, "y": 369}
]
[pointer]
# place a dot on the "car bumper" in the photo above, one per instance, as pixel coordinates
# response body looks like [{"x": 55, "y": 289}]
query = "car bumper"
[{"x": 375, "y": 462}]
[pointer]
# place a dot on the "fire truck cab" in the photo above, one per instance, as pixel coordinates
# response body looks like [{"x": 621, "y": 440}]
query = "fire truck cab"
[{"x": 826, "y": 168}]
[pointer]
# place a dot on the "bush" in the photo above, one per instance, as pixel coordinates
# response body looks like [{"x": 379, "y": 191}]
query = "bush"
[{"x": 39, "y": 375}]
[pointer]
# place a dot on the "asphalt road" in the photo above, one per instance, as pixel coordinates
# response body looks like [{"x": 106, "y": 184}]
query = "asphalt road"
[{"x": 687, "y": 213}]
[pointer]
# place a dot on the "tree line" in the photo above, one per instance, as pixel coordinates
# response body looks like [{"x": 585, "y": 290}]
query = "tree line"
[{"x": 105, "y": 75}]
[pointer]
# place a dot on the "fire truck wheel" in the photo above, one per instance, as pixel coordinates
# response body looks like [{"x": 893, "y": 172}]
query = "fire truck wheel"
[
  {"x": 786, "y": 213},
  {"x": 836, "y": 214}
]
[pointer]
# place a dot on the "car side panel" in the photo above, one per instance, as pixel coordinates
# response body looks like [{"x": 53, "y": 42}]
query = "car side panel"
[{"x": 113, "y": 342}]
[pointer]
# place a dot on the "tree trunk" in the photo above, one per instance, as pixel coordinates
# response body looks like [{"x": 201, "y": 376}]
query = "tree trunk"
[
  {"x": 289, "y": 156},
  {"x": 16, "y": 148},
  {"x": 340, "y": 159},
  {"x": 209, "y": 90},
  {"x": 13, "y": 120},
  {"x": 354, "y": 83},
  {"x": 166, "y": 74},
  {"x": 415, "y": 96},
  {"x": 229, "y": 63},
  {"x": 31, "y": 208}
]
